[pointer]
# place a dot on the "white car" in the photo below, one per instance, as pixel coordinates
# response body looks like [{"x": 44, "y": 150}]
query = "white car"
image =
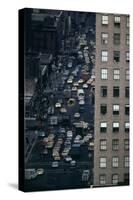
[
  {"x": 63, "y": 110},
  {"x": 76, "y": 84},
  {"x": 58, "y": 105},
  {"x": 81, "y": 102},
  {"x": 85, "y": 86},
  {"x": 55, "y": 164},
  {"x": 73, "y": 163},
  {"x": 80, "y": 81},
  {"x": 69, "y": 133},
  {"x": 93, "y": 76},
  {"x": 69, "y": 81},
  {"x": 40, "y": 171},
  {"x": 74, "y": 89},
  {"x": 68, "y": 159},
  {"x": 76, "y": 115},
  {"x": 69, "y": 65}
]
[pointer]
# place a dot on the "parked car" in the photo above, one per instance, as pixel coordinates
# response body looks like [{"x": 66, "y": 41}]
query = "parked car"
[
  {"x": 85, "y": 175},
  {"x": 30, "y": 174}
]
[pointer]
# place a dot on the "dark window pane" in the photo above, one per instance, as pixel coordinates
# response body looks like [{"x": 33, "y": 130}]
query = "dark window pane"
[
  {"x": 116, "y": 91},
  {"x": 103, "y": 109}
]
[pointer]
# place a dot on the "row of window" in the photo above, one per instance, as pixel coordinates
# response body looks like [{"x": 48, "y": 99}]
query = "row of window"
[
  {"x": 115, "y": 162},
  {"x": 115, "y": 109},
  {"x": 116, "y": 91},
  {"x": 117, "y": 21},
  {"x": 115, "y": 127},
  {"x": 116, "y": 56},
  {"x": 115, "y": 179},
  {"x": 116, "y": 38},
  {"x": 115, "y": 144},
  {"x": 116, "y": 74}
]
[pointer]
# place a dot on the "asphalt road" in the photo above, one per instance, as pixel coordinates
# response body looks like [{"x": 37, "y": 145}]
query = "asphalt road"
[{"x": 64, "y": 176}]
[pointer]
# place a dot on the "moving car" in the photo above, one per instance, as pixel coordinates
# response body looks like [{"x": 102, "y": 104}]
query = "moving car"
[
  {"x": 77, "y": 115},
  {"x": 40, "y": 171},
  {"x": 85, "y": 86},
  {"x": 58, "y": 105},
  {"x": 55, "y": 164},
  {"x": 81, "y": 102},
  {"x": 68, "y": 159},
  {"x": 80, "y": 94}
]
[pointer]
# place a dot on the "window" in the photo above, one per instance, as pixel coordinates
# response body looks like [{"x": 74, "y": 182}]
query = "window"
[
  {"x": 127, "y": 127},
  {"x": 128, "y": 22},
  {"x": 127, "y": 74},
  {"x": 127, "y": 92},
  {"x": 103, "y": 145},
  {"x": 116, "y": 56},
  {"x": 115, "y": 127},
  {"x": 127, "y": 56},
  {"x": 115, "y": 161},
  {"x": 116, "y": 109},
  {"x": 104, "y": 38},
  {"x": 127, "y": 109},
  {"x": 105, "y": 20},
  {"x": 117, "y": 20},
  {"x": 115, "y": 91},
  {"x": 104, "y": 91},
  {"x": 116, "y": 74},
  {"x": 102, "y": 179},
  {"x": 104, "y": 74},
  {"x": 127, "y": 39},
  {"x": 103, "y": 109},
  {"x": 126, "y": 178},
  {"x": 115, "y": 179},
  {"x": 126, "y": 144},
  {"x": 126, "y": 161},
  {"x": 117, "y": 38},
  {"x": 103, "y": 162},
  {"x": 103, "y": 127},
  {"x": 115, "y": 144},
  {"x": 104, "y": 56}
]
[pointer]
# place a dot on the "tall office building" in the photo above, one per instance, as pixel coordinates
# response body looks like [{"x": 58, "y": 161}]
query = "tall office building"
[{"x": 111, "y": 145}]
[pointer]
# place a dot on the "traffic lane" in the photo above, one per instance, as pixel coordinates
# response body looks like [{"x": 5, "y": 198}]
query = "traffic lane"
[
  {"x": 58, "y": 179},
  {"x": 46, "y": 160}
]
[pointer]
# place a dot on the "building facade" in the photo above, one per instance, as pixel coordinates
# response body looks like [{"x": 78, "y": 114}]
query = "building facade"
[{"x": 111, "y": 144}]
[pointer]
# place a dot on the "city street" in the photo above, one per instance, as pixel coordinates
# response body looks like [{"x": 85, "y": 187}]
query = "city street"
[{"x": 62, "y": 115}]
